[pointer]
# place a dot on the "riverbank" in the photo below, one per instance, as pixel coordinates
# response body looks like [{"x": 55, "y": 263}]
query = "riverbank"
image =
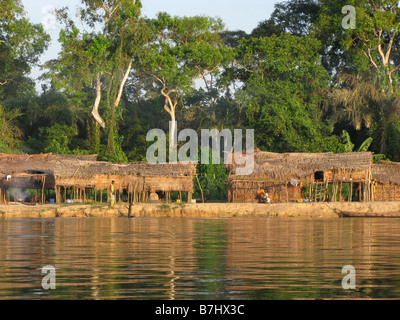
[{"x": 206, "y": 210}]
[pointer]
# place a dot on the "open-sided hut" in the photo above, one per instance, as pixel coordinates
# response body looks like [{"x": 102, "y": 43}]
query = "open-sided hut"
[
  {"x": 139, "y": 181},
  {"x": 386, "y": 181},
  {"x": 293, "y": 176},
  {"x": 80, "y": 177},
  {"x": 31, "y": 172}
]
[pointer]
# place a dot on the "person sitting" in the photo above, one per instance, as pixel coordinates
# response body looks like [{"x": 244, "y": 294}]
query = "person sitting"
[
  {"x": 112, "y": 193},
  {"x": 36, "y": 199},
  {"x": 266, "y": 198}
]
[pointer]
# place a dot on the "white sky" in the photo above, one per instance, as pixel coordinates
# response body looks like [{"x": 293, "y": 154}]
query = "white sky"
[{"x": 236, "y": 14}]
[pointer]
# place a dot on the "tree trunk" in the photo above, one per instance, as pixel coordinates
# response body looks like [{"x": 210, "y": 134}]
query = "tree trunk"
[{"x": 95, "y": 111}]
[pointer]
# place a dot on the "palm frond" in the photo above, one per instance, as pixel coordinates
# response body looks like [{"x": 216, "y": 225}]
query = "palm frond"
[
  {"x": 348, "y": 145},
  {"x": 365, "y": 145}
]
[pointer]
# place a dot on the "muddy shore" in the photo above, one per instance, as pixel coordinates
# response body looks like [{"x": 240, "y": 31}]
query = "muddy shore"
[{"x": 206, "y": 210}]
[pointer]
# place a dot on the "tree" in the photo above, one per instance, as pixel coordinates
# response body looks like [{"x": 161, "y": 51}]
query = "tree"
[
  {"x": 354, "y": 101},
  {"x": 101, "y": 59},
  {"x": 295, "y": 17},
  {"x": 349, "y": 146},
  {"x": 284, "y": 83},
  {"x": 9, "y": 131},
  {"x": 21, "y": 44},
  {"x": 373, "y": 43},
  {"x": 182, "y": 51}
]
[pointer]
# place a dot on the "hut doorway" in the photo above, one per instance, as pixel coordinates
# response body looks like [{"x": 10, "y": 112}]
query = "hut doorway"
[{"x": 319, "y": 176}]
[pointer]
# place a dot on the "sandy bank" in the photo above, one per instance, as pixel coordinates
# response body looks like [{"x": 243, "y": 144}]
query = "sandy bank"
[{"x": 207, "y": 210}]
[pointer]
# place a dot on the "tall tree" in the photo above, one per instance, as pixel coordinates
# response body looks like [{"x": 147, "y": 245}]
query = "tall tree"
[
  {"x": 21, "y": 44},
  {"x": 101, "y": 59},
  {"x": 295, "y": 17},
  {"x": 182, "y": 51},
  {"x": 374, "y": 43},
  {"x": 367, "y": 87},
  {"x": 284, "y": 83}
]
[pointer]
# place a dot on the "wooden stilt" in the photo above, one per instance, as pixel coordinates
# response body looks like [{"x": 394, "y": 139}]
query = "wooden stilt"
[
  {"x": 287, "y": 193},
  {"x": 351, "y": 192}
]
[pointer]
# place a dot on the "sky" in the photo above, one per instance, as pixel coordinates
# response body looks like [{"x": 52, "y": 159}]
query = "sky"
[{"x": 236, "y": 14}]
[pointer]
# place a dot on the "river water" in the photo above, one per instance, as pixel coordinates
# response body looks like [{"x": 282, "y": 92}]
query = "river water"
[{"x": 171, "y": 258}]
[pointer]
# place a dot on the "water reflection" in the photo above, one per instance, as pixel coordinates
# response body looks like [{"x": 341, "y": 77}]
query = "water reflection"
[{"x": 199, "y": 259}]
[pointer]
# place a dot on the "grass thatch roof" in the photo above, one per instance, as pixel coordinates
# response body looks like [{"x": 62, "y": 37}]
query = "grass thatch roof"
[
  {"x": 286, "y": 166},
  {"x": 11, "y": 164},
  {"x": 85, "y": 171},
  {"x": 386, "y": 172}
]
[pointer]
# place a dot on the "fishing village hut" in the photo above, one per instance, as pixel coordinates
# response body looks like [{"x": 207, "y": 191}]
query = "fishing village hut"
[
  {"x": 304, "y": 176},
  {"x": 83, "y": 179},
  {"x": 137, "y": 181},
  {"x": 386, "y": 181},
  {"x": 24, "y": 172}
]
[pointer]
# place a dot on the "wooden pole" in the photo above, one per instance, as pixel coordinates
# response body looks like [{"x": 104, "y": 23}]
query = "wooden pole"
[
  {"x": 351, "y": 192},
  {"x": 43, "y": 191},
  {"x": 201, "y": 189},
  {"x": 189, "y": 196},
  {"x": 287, "y": 193}
]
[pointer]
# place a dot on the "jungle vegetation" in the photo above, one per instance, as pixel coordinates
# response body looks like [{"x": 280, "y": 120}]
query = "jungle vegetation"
[{"x": 299, "y": 79}]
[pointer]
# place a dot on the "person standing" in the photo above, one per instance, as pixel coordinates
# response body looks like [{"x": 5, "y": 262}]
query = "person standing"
[{"x": 112, "y": 193}]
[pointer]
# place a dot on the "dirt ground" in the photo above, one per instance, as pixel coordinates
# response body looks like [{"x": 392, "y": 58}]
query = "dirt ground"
[{"x": 206, "y": 210}]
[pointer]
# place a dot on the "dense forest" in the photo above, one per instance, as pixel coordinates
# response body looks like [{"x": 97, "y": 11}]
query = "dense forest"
[{"x": 301, "y": 80}]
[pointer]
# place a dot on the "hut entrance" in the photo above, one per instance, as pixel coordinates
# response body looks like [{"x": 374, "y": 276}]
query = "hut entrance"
[{"x": 319, "y": 176}]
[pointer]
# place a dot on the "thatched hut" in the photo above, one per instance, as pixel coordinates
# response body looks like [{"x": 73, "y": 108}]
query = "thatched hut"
[
  {"x": 294, "y": 176},
  {"x": 81, "y": 177},
  {"x": 31, "y": 172},
  {"x": 139, "y": 181},
  {"x": 386, "y": 181}
]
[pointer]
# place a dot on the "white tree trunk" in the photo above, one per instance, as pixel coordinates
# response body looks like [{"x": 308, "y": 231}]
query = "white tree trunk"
[
  {"x": 95, "y": 111},
  {"x": 122, "y": 85},
  {"x": 173, "y": 146}
]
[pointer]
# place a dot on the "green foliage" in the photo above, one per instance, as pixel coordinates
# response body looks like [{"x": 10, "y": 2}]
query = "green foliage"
[
  {"x": 21, "y": 44},
  {"x": 96, "y": 58},
  {"x": 213, "y": 181},
  {"x": 282, "y": 96},
  {"x": 181, "y": 51},
  {"x": 365, "y": 145},
  {"x": 9, "y": 132},
  {"x": 55, "y": 139},
  {"x": 348, "y": 145}
]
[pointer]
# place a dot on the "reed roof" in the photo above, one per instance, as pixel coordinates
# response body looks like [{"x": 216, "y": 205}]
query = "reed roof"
[
  {"x": 84, "y": 170},
  {"x": 386, "y": 172},
  {"x": 286, "y": 166}
]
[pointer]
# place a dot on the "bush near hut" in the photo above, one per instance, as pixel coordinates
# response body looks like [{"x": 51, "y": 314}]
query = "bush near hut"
[{"x": 213, "y": 181}]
